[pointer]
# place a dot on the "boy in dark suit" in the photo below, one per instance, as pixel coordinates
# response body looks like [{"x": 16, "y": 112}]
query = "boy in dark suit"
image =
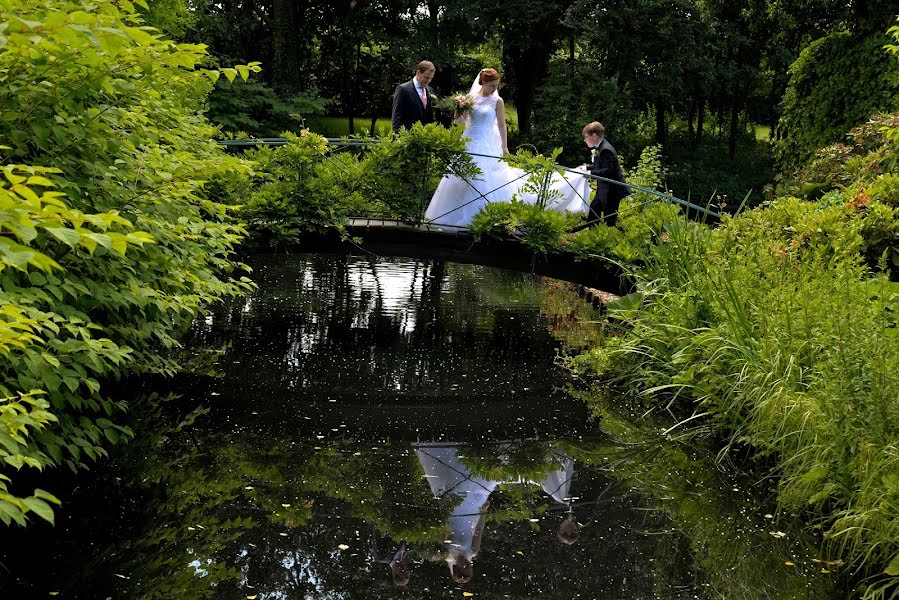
[
  {"x": 604, "y": 164},
  {"x": 412, "y": 101}
]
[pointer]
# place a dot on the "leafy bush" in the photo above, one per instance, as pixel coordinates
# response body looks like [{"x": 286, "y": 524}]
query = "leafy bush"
[
  {"x": 540, "y": 230},
  {"x": 112, "y": 242},
  {"x": 288, "y": 197},
  {"x": 775, "y": 331},
  {"x": 403, "y": 170},
  {"x": 836, "y": 82}
]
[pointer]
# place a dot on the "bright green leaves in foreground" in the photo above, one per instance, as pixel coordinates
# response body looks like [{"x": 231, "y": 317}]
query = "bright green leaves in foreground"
[{"x": 115, "y": 239}]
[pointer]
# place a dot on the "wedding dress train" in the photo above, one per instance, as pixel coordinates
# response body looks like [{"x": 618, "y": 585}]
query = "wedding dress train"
[{"x": 457, "y": 201}]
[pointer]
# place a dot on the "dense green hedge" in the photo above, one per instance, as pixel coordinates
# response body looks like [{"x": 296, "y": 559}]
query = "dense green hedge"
[{"x": 837, "y": 82}]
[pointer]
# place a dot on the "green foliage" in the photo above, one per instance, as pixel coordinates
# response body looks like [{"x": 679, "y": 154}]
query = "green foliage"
[
  {"x": 836, "y": 82},
  {"x": 111, "y": 243},
  {"x": 288, "y": 197},
  {"x": 777, "y": 331},
  {"x": 305, "y": 186},
  {"x": 540, "y": 170},
  {"x": 252, "y": 107},
  {"x": 540, "y": 230},
  {"x": 403, "y": 170}
]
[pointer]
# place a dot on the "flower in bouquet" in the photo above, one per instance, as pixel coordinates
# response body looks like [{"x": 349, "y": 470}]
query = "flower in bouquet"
[{"x": 460, "y": 104}]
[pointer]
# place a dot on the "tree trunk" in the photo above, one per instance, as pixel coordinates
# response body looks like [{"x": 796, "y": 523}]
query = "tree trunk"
[
  {"x": 734, "y": 128},
  {"x": 700, "y": 120},
  {"x": 286, "y": 60},
  {"x": 351, "y": 105},
  {"x": 528, "y": 65},
  {"x": 691, "y": 133},
  {"x": 661, "y": 131},
  {"x": 859, "y": 13}
]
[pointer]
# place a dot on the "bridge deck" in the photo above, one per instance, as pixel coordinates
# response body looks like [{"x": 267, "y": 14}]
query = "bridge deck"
[{"x": 389, "y": 237}]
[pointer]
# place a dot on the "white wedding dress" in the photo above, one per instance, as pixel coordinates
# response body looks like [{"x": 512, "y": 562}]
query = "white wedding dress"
[{"x": 457, "y": 201}]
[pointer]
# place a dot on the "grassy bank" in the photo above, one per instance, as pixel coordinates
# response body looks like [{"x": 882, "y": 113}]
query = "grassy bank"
[{"x": 777, "y": 332}]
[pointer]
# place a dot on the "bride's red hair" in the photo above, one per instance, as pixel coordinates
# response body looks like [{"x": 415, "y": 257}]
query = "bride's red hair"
[{"x": 488, "y": 75}]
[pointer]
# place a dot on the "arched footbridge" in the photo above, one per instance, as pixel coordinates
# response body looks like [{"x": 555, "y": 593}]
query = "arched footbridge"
[{"x": 418, "y": 238}]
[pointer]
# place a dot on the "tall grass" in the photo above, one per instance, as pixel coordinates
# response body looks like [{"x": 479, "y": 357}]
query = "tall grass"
[{"x": 772, "y": 331}]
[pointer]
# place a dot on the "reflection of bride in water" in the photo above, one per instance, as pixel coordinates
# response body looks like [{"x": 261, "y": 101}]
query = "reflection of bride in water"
[
  {"x": 457, "y": 200},
  {"x": 449, "y": 477}
]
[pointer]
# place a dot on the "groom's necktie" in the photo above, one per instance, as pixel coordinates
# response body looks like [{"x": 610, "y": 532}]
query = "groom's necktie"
[{"x": 424, "y": 98}]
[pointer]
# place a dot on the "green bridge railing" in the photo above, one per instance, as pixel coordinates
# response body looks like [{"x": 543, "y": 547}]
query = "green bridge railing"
[{"x": 344, "y": 143}]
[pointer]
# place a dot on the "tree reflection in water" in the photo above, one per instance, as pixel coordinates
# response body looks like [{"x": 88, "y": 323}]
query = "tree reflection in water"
[{"x": 298, "y": 471}]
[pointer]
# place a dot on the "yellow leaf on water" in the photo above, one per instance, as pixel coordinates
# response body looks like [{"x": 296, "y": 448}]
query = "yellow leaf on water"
[
  {"x": 519, "y": 552},
  {"x": 285, "y": 505},
  {"x": 790, "y": 563},
  {"x": 343, "y": 547},
  {"x": 467, "y": 594},
  {"x": 253, "y": 597}
]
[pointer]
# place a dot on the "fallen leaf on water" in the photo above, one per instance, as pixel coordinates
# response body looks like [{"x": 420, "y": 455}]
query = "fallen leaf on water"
[
  {"x": 253, "y": 597},
  {"x": 778, "y": 534},
  {"x": 534, "y": 520},
  {"x": 343, "y": 547},
  {"x": 282, "y": 534},
  {"x": 519, "y": 552},
  {"x": 249, "y": 487},
  {"x": 467, "y": 594},
  {"x": 285, "y": 505},
  {"x": 830, "y": 563},
  {"x": 790, "y": 563}
]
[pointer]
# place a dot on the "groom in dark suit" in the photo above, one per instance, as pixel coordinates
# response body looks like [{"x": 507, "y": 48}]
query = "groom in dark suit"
[
  {"x": 412, "y": 101},
  {"x": 604, "y": 164}
]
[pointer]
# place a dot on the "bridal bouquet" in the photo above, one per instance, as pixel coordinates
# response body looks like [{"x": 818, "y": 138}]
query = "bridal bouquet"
[{"x": 460, "y": 104}]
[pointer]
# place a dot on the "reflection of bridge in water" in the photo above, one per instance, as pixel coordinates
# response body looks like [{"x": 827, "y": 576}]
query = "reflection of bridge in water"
[{"x": 389, "y": 237}]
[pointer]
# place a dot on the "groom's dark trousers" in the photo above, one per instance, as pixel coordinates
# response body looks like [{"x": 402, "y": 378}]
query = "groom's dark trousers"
[{"x": 408, "y": 109}]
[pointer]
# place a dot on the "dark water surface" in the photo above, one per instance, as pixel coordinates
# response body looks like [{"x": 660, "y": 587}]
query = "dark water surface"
[{"x": 352, "y": 412}]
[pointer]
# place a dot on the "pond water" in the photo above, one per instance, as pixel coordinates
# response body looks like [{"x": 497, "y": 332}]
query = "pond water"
[{"x": 380, "y": 428}]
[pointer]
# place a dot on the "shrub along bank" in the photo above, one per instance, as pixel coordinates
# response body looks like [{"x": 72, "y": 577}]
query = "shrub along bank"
[
  {"x": 113, "y": 240},
  {"x": 779, "y": 329}
]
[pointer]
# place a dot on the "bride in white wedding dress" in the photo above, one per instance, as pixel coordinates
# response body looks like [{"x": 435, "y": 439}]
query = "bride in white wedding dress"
[{"x": 457, "y": 200}]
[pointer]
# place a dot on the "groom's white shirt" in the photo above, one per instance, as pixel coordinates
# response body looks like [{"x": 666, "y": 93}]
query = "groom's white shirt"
[{"x": 418, "y": 87}]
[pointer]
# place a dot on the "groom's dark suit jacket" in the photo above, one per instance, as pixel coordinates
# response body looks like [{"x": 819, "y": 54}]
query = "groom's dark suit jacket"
[
  {"x": 407, "y": 107},
  {"x": 608, "y": 195}
]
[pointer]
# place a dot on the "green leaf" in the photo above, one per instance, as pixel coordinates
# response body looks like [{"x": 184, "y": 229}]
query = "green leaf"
[
  {"x": 40, "y": 508},
  {"x": 39, "y": 493},
  {"x": 626, "y": 306},
  {"x": 893, "y": 568},
  {"x": 65, "y": 235}
]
